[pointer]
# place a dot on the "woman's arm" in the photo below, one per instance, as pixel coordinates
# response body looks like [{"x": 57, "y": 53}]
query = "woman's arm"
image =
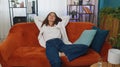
[
  {"x": 41, "y": 39},
  {"x": 38, "y": 21},
  {"x": 65, "y": 20}
]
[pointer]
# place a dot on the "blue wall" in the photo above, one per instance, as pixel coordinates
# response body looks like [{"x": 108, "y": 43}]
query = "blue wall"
[
  {"x": 112, "y": 3},
  {"x": 101, "y": 4}
]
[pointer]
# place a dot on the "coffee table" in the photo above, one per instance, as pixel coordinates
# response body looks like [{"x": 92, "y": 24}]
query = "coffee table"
[{"x": 105, "y": 64}]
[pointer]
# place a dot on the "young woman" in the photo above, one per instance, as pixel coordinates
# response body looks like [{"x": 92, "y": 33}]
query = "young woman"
[{"x": 53, "y": 37}]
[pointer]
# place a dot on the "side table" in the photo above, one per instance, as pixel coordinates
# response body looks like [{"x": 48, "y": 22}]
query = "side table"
[{"x": 105, "y": 64}]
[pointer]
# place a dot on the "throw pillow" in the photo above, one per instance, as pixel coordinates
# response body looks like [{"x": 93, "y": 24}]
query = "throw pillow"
[
  {"x": 86, "y": 37},
  {"x": 99, "y": 39}
]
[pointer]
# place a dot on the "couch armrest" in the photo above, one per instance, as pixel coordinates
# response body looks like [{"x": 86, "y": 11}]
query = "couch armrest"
[
  {"x": 104, "y": 50},
  {"x": 22, "y": 34},
  {"x": 10, "y": 44}
]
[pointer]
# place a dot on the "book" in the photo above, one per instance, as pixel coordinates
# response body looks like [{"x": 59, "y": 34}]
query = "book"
[{"x": 86, "y": 9}]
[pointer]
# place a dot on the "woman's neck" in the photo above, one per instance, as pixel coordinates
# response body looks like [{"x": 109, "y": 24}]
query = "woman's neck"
[{"x": 51, "y": 24}]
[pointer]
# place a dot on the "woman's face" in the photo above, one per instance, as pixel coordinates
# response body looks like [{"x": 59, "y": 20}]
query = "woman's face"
[{"x": 51, "y": 17}]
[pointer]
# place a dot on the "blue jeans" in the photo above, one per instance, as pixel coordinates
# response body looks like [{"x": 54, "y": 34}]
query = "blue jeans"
[{"x": 56, "y": 45}]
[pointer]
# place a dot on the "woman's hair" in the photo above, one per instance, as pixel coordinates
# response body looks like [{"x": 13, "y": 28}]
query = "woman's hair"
[{"x": 57, "y": 19}]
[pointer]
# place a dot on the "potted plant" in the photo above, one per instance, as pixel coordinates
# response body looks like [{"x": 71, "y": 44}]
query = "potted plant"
[
  {"x": 14, "y": 2},
  {"x": 114, "y": 12},
  {"x": 115, "y": 41},
  {"x": 110, "y": 20},
  {"x": 114, "y": 53}
]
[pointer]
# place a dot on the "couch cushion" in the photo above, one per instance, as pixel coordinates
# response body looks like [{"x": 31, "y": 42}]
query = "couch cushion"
[
  {"x": 99, "y": 39},
  {"x": 86, "y": 37},
  {"x": 34, "y": 56},
  {"x": 88, "y": 59}
]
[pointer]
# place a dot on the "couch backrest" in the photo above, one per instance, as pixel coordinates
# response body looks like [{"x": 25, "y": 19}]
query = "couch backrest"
[
  {"x": 28, "y": 32},
  {"x": 25, "y": 33},
  {"x": 74, "y": 29}
]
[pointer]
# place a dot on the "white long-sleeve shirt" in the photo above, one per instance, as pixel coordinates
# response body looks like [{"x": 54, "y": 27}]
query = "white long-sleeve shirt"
[
  {"x": 50, "y": 32},
  {"x": 57, "y": 31}
]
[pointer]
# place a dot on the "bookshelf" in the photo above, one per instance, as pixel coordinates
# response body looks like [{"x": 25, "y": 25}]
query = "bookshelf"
[
  {"x": 22, "y": 10},
  {"x": 81, "y": 12}
]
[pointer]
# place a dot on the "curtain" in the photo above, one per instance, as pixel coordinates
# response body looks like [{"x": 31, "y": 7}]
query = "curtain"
[
  {"x": 95, "y": 2},
  {"x": 4, "y": 19},
  {"x": 100, "y": 6}
]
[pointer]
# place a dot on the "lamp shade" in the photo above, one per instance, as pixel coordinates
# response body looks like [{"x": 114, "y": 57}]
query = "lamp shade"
[{"x": 114, "y": 56}]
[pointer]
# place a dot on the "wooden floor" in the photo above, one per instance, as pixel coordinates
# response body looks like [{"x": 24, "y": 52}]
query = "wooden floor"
[{"x": 105, "y": 64}]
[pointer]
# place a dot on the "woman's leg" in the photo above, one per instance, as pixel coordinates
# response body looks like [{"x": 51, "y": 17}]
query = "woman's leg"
[
  {"x": 75, "y": 50},
  {"x": 72, "y": 51},
  {"x": 53, "y": 54}
]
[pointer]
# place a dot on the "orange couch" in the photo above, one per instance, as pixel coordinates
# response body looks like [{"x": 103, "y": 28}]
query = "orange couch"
[{"x": 21, "y": 47}]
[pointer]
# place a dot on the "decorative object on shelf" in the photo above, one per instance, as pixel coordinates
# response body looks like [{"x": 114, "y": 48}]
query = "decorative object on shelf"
[
  {"x": 33, "y": 7},
  {"x": 114, "y": 56},
  {"x": 22, "y": 4},
  {"x": 76, "y": 2},
  {"x": 14, "y": 3},
  {"x": 73, "y": 13},
  {"x": 80, "y": 2},
  {"x": 88, "y": 2}
]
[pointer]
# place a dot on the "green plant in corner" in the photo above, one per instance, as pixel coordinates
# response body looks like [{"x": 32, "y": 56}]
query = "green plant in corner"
[
  {"x": 15, "y": 2},
  {"x": 114, "y": 12},
  {"x": 109, "y": 16},
  {"x": 115, "y": 41}
]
